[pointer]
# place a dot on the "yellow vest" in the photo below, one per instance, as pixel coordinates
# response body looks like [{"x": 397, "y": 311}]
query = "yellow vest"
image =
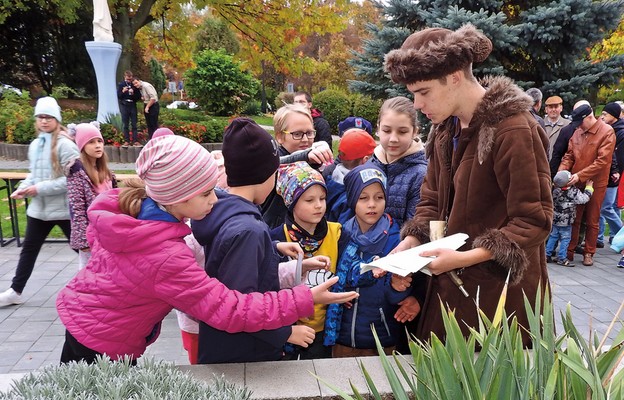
[{"x": 328, "y": 248}]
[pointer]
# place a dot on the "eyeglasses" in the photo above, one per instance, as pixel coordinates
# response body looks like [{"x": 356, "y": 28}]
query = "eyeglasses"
[
  {"x": 298, "y": 135},
  {"x": 45, "y": 117}
]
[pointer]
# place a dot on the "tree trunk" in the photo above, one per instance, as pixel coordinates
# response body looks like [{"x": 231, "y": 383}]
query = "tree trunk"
[{"x": 125, "y": 28}]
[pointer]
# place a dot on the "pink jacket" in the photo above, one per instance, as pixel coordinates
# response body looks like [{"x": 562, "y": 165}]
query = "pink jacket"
[{"x": 140, "y": 270}]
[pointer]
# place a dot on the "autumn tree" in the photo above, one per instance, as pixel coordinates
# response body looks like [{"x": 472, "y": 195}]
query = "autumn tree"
[{"x": 537, "y": 43}]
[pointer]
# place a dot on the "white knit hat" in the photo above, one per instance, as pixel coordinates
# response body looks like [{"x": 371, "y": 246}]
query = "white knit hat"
[
  {"x": 175, "y": 169},
  {"x": 48, "y": 106}
]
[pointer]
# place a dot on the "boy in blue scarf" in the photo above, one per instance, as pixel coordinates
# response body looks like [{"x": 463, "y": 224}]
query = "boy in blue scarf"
[{"x": 373, "y": 233}]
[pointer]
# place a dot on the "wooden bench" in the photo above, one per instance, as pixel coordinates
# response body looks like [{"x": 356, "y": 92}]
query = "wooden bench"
[{"x": 11, "y": 181}]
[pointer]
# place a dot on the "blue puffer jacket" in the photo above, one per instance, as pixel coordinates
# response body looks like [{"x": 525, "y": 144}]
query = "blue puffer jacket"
[
  {"x": 405, "y": 176},
  {"x": 242, "y": 256}
]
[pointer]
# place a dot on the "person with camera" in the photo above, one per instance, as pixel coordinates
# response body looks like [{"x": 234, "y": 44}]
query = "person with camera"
[{"x": 128, "y": 97}]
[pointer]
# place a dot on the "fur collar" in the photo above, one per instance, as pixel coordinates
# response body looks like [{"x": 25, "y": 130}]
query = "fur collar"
[{"x": 502, "y": 100}]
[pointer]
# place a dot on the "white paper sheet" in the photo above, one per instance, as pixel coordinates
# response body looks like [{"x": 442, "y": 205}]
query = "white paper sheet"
[{"x": 409, "y": 261}]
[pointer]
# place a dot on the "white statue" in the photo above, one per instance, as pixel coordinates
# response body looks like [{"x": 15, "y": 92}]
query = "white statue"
[{"x": 102, "y": 22}]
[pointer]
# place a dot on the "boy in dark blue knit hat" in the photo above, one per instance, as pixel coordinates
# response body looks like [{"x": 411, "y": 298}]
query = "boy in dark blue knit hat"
[{"x": 372, "y": 234}]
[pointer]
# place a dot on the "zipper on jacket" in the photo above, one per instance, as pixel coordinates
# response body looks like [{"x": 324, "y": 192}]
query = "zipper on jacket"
[
  {"x": 383, "y": 319},
  {"x": 355, "y": 309}
]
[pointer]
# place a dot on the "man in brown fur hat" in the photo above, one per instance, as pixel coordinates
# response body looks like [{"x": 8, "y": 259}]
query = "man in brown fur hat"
[{"x": 488, "y": 176}]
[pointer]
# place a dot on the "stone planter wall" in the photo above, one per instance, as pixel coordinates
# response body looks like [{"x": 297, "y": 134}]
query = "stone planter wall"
[{"x": 115, "y": 154}]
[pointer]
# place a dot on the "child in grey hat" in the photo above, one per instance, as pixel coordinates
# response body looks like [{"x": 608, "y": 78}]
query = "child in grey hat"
[{"x": 565, "y": 200}]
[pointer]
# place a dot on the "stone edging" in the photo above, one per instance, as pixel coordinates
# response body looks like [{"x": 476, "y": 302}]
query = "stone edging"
[{"x": 121, "y": 154}]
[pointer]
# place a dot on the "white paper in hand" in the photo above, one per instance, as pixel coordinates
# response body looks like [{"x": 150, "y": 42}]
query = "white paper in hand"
[{"x": 409, "y": 261}]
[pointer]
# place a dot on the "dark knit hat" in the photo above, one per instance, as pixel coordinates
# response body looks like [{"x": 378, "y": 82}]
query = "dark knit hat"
[
  {"x": 614, "y": 109},
  {"x": 249, "y": 152},
  {"x": 434, "y": 53},
  {"x": 359, "y": 178}
]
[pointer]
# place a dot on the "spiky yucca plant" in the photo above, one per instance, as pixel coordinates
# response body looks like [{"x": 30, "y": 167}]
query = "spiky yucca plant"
[{"x": 558, "y": 367}]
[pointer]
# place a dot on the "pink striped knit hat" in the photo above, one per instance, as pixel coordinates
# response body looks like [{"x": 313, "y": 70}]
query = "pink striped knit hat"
[{"x": 175, "y": 169}]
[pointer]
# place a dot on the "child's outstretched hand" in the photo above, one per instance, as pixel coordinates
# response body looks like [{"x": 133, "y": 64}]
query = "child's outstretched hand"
[
  {"x": 322, "y": 295},
  {"x": 316, "y": 262},
  {"x": 290, "y": 249},
  {"x": 301, "y": 335}
]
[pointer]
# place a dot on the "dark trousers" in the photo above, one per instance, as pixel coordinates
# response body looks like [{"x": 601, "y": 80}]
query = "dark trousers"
[
  {"x": 37, "y": 231},
  {"x": 74, "y": 351},
  {"x": 129, "y": 115},
  {"x": 151, "y": 119},
  {"x": 590, "y": 212}
]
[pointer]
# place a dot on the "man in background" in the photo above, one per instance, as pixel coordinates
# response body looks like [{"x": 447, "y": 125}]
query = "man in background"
[
  {"x": 554, "y": 122},
  {"x": 321, "y": 126},
  {"x": 128, "y": 97},
  {"x": 152, "y": 108}
]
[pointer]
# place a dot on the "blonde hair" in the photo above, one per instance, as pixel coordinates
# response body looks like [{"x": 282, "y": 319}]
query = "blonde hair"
[
  {"x": 280, "y": 119},
  {"x": 132, "y": 196},
  {"x": 100, "y": 172},
  {"x": 400, "y": 105}
]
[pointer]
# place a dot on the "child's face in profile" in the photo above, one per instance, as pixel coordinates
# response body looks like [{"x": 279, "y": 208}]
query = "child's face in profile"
[
  {"x": 370, "y": 206},
  {"x": 396, "y": 134},
  {"x": 310, "y": 208},
  {"x": 194, "y": 208}
]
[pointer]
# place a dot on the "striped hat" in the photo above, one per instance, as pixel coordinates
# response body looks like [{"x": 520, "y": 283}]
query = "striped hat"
[{"x": 175, "y": 169}]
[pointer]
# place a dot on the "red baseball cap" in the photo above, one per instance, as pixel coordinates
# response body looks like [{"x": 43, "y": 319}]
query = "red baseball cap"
[{"x": 355, "y": 144}]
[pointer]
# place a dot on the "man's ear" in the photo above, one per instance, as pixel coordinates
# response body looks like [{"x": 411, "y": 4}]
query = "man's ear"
[{"x": 456, "y": 77}]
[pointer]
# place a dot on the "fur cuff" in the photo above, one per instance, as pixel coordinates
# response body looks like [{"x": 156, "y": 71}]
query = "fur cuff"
[
  {"x": 507, "y": 255},
  {"x": 418, "y": 230}
]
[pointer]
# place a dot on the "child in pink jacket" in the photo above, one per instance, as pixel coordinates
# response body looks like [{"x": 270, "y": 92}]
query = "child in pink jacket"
[{"x": 141, "y": 268}]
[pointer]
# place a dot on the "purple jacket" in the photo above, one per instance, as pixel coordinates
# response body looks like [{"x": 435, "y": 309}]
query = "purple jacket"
[{"x": 140, "y": 270}]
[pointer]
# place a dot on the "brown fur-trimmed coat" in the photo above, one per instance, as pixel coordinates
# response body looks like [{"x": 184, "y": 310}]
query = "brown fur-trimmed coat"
[{"x": 502, "y": 200}]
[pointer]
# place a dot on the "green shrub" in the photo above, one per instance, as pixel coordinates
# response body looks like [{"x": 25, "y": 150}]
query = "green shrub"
[
  {"x": 106, "y": 380},
  {"x": 335, "y": 105},
  {"x": 284, "y": 98},
  {"x": 366, "y": 107},
  {"x": 63, "y": 92},
  {"x": 219, "y": 84},
  {"x": 558, "y": 367},
  {"x": 17, "y": 124},
  {"x": 252, "y": 107}
]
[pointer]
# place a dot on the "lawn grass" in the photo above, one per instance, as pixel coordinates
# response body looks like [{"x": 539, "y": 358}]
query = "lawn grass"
[{"x": 5, "y": 218}]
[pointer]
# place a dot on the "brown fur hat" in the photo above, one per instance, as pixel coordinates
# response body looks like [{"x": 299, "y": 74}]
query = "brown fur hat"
[{"x": 434, "y": 53}]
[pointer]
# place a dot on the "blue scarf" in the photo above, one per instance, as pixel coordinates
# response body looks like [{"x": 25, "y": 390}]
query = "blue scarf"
[{"x": 375, "y": 239}]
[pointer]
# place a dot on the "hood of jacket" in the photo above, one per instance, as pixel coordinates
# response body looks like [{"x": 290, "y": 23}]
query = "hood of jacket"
[
  {"x": 227, "y": 207},
  {"x": 501, "y": 100},
  {"x": 121, "y": 233},
  {"x": 316, "y": 113}
]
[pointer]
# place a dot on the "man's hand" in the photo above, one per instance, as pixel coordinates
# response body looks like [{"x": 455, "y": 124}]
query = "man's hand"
[
  {"x": 573, "y": 179},
  {"x": 409, "y": 309},
  {"x": 290, "y": 249}
]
